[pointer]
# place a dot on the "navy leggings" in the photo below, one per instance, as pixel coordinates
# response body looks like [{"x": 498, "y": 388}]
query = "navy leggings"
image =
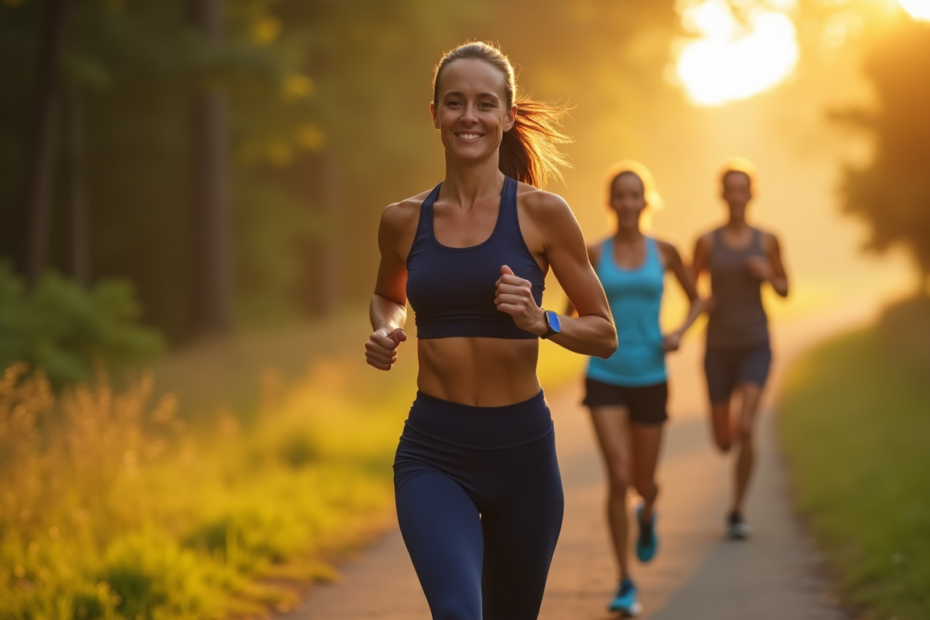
[{"x": 479, "y": 502}]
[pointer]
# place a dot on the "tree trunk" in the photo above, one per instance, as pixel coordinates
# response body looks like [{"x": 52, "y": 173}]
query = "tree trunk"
[
  {"x": 325, "y": 253},
  {"x": 77, "y": 165},
  {"x": 211, "y": 210},
  {"x": 43, "y": 141}
]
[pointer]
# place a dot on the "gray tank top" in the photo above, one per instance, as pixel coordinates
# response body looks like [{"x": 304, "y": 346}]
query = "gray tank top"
[{"x": 738, "y": 318}]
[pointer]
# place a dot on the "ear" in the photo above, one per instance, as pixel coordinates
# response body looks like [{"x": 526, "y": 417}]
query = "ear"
[
  {"x": 432, "y": 112},
  {"x": 511, "y": 118}
]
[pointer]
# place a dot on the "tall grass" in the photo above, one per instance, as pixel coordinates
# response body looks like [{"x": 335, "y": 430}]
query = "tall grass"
[{"x": 112, "y": 505}]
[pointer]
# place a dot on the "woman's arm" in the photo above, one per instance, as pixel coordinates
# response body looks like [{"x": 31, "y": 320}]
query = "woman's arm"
[
  {"x": 673, "y": 263},
  {"x": 594, "y": 255},
  {"x": 388, "y": 310},
  {"x": 771, "y": 268},
  {"x": 592, "y": 332}
]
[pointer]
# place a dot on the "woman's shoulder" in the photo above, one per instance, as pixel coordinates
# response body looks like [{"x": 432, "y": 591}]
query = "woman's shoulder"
[
  {"x": 540, "y": 202},
  {"x": 706, "y": 238},
  {"x": 767, "y": 238},
  {"x": 398, "y": 215}
]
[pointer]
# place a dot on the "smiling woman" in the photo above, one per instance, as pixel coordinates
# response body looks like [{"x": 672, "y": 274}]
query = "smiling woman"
[{"x": 478, "y": 489}]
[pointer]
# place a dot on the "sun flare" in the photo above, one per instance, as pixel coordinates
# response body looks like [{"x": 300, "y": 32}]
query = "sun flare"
[
  {"x": 737, "y": 49},
  {"x": 918, "y": 9}
]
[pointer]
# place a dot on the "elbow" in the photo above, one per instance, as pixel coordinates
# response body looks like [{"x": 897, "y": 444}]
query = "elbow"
[{"x": 608, "y": 344}]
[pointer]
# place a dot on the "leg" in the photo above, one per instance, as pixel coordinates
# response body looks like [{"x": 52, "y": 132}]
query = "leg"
[
  {"x": 721, "y": 373},
  {"x": 646, "y": 441},
  {"x": 442, "y": 530},
  {"x": 611, "y": 427},
  {"x": 751, "y": 394},
  {"x": 521, "y": 524},
  {"x": 753, "y": 372}
]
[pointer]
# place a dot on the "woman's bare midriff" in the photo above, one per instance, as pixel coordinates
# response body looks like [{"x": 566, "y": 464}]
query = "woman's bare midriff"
[{"x": 482, "y": 372}]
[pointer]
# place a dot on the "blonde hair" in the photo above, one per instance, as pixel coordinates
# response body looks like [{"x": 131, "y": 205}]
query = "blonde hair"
[
  {"x": 529, "y": 151},
  {"x": 740, "y": 164}
]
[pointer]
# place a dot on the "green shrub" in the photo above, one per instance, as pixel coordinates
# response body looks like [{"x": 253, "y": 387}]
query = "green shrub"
[{"x": 66, "y": 330}]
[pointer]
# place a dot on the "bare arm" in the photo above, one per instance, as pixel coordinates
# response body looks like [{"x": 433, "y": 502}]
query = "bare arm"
[
  {"x": 388, "y": 310},
  {"x": 770, "y": 269},
  {"x": 779, "y": 279},
  {"x": 673, "y": 263},
  {"x": 594, "y": 254},
  {"x": 592, "y": 332},
  {"x": 700, "y": 257}
]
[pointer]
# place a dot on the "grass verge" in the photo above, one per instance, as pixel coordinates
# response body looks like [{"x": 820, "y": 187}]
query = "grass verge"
[
  {"x": 117, "y": 504},
  {"x": 855, "y": 425}
]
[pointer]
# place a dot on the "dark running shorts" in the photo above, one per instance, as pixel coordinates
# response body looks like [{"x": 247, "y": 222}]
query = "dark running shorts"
[
  {"x": 727, "y": 368},
  {"x": 646, "y": 403}
]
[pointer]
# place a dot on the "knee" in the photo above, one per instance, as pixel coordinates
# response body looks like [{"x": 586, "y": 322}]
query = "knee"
[
  {"x": 723, "y": 443},
  {"x": 647, "y": 489},
  {"x": 619, "y": 483}
]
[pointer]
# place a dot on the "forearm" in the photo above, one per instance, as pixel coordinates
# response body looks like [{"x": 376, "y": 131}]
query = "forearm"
[
  {"x": 386, "y": 314},
  {"x": 695, "y": 310},
  {"x": 588, "y": 335}
]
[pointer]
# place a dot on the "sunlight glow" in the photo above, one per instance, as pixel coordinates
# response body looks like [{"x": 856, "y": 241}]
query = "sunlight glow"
[
  {"x": 918, "y": 9},
  {"x": 741, "y": 48}
]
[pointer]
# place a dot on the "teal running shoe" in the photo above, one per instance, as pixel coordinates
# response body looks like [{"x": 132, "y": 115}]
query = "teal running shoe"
[
  {"x": 647, "y": 543},
  {"x": 625, "y": 600}
]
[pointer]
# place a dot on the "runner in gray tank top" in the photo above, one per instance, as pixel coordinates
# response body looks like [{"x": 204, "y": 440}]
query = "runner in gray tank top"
[{"x": 740, "y": 259}]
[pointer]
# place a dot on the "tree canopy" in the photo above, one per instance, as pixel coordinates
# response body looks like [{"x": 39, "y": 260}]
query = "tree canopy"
[{"x": 892, "y": 193}]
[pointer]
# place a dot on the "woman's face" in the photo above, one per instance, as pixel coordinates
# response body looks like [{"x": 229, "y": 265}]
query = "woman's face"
[
  {"x": 627, "y": 200},
  {"x": 471, "y": 112},
  {"x": 737, "y": 192}
]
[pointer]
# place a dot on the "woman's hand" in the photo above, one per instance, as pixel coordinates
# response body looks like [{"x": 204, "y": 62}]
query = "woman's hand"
[
  {"x": 381, "y": 348},
  {"x": 760, "y": 267},
  {"x": 672, "y": 341},
  {"x": 515, "y": 297}
]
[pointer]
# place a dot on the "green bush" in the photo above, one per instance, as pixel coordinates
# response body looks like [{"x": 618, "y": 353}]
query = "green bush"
[{"x": 66, "y": 331}]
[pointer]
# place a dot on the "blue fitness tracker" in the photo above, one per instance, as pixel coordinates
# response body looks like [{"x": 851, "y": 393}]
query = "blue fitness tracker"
[{"x": 553, "y": 324}]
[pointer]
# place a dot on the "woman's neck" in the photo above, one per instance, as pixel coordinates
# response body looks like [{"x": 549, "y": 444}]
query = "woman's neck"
[
  {"x": 469, "y": 184},
  {"x": 737, "y": 224},
  {"x": 628, "y": 235}
]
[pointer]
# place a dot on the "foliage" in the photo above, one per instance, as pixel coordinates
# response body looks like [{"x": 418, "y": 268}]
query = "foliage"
[
  {"x": 854, "y": 426},
  {"x": 65, "y": 331},
  {"x": 137, "y": 65},
  {"x": 114, "y": 507},
  {"x": 892, "y": 194}
]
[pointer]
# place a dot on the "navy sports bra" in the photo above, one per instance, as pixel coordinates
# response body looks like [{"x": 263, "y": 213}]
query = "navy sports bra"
[{"x": 452, "y": 290}]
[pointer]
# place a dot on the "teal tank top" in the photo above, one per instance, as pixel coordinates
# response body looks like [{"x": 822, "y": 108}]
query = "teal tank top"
[{"x": 635, "y": 296}]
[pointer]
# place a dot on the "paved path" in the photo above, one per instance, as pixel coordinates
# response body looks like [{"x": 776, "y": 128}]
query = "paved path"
[{"x": 696, "y": 575}]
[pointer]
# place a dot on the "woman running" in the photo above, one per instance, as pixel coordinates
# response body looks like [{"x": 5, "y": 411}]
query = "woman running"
[
  {"x": 627, "y": 393},
  {"x": 739, "y": 258},
  {"x": 478, "y": 490}
]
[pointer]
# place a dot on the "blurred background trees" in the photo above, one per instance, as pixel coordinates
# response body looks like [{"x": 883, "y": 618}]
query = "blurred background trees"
[{"x": 892, "y": 193}]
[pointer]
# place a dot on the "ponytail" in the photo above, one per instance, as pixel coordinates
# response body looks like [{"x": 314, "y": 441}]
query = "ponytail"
[{"x": 529, "y": 151}]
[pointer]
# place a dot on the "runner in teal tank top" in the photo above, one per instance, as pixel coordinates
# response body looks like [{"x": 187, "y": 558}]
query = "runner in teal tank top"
[
  {"x": 636, "y": 296},
  {"x": 627, "y": 393}
]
